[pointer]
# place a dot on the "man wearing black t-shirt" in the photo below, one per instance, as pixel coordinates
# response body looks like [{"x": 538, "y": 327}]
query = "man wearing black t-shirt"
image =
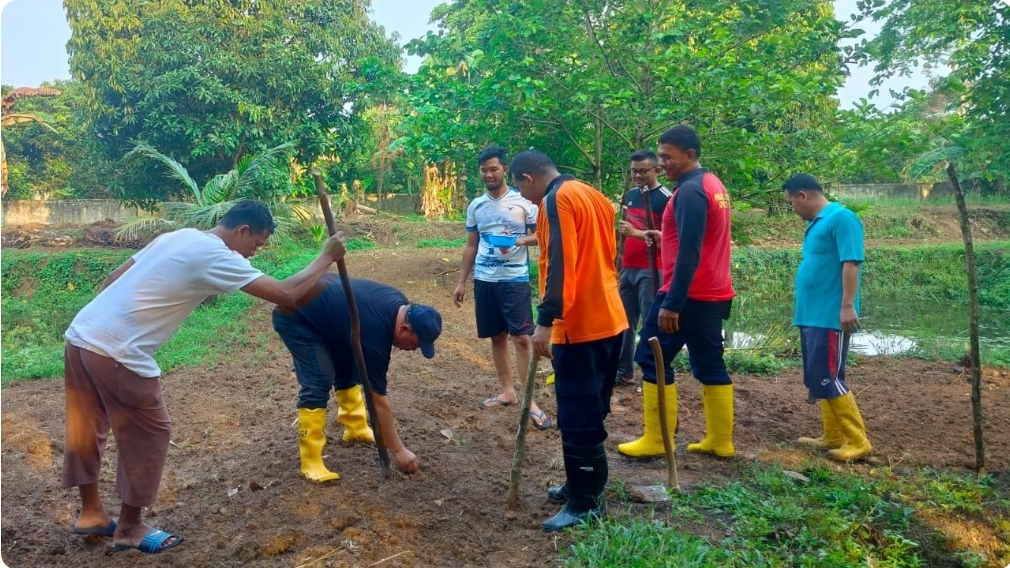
[{"x": 317, "y": 332}]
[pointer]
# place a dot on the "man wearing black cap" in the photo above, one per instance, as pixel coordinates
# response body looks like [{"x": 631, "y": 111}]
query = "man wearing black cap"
[{"x": 317, "y": 332}]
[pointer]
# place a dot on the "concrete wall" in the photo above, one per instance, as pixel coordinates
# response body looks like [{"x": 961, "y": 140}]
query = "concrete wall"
[
  {"x": 88, "y": 211},
  {"x": 396, "y": 203},
  {"x": 892, "y": 190},
  {"x": 65, "y": 212}
]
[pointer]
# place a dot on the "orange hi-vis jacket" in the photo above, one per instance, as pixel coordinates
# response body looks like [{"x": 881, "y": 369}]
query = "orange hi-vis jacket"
[{"x": 578, "y": 282}]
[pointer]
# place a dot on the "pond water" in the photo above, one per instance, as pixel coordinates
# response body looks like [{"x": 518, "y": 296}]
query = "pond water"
[{"x": 886, "y": 329}]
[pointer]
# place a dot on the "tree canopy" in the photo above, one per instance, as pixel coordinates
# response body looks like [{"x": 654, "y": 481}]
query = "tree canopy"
[
  {"x": 587, "y": 81},
  {"x": 972, "y": 40},
  {"x": 590, "y": 81},
  {"x": 209, "y": 82}
]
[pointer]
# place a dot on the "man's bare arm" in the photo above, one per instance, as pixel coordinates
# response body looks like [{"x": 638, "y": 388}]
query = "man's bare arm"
[{"x": 286, "y": 292}]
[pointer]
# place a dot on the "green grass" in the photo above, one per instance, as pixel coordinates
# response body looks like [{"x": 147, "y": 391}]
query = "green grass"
[
  {"x": 837, "y": 519},
  {"x": 360, "y": 244},
  {"x": 441, "y": 243},
  {"x": 918, "y": 292},
  {"x": 42, "y": 292}
]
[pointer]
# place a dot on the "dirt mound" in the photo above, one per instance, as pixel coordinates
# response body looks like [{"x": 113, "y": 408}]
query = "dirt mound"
[
  {"x": 944, "y": 222},
  {"x": 96, "y": 235}
]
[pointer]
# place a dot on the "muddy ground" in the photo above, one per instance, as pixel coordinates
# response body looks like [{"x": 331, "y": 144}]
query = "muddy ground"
[{"x": 233, "y": 489}]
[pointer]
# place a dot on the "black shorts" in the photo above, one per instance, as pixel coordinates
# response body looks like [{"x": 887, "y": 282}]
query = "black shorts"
[{"x": 503, "y": 306}]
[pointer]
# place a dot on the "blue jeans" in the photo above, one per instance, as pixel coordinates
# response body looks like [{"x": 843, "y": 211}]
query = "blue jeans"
[
  {"x": 315, "y": 362},
  {"x": 700, "y": 329}
]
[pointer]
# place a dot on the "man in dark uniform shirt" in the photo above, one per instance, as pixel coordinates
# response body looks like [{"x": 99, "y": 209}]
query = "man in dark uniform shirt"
[{"x": 317, "y": 332}]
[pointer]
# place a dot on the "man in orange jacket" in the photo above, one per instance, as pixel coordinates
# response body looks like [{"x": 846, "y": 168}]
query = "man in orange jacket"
[{"x": 580, "y": 323}]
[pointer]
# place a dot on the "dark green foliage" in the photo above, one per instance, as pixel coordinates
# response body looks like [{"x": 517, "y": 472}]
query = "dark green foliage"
[
  {"x": 59, "y": 160},
  {"x": 589, "y": 82},
  {"x": 209, "y": 82}
]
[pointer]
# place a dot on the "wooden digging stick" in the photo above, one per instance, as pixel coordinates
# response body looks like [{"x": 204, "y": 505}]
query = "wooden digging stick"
[
  {"x": 650, "y": 224},
  {"x": 524, "y": 420},
  {"x": 352, "y": 308},
  {"x": 671, "y": 460},
  {"x": 621, "y": 238}
]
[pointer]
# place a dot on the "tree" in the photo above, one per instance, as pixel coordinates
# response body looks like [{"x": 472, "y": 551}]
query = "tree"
[
  {"x": 972, "y": 40},
  {"x": 210, "y": 82},
  {"x": 58, "y": 159},
  {"x": 9, "y": 118},
  {"x": 881, "y": 147},
  {"x": 589, "y": 81}
]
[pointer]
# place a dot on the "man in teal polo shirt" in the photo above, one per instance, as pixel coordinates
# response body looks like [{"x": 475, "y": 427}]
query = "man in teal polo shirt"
[{"x": 827, "y": 313}]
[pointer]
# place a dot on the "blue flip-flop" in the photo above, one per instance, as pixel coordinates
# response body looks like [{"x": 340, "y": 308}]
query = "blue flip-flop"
[
  {"x": 153, "y": 543},
  {"x": 495, "y": 401},
  {"x": 98, "y": 531},
  {"x": 545, "y": 423}
]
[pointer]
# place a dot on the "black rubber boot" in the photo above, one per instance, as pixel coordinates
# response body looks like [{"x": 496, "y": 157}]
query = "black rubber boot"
[
  {"x": 586, "y": 468},
  {"x": 558, "y": 493}
]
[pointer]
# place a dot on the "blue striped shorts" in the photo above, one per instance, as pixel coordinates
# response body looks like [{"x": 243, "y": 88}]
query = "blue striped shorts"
[{"x": 824, "y": 351}]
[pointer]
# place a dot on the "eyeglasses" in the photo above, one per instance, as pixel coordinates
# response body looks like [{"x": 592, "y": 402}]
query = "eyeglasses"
[{"x": 642, "y": 172}]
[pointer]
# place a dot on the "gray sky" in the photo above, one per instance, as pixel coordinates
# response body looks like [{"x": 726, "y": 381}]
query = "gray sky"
[{"x": 34, "y": 33}]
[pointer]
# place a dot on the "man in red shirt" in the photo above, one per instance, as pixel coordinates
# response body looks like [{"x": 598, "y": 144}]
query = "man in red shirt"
[
  {"x": 694, "y": 300},
  {"x": 637, "y": 288}
]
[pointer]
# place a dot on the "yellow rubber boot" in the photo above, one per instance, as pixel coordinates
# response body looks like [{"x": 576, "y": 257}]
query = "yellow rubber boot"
[
  {"x": 832, "y": 436},
  {"x": 718, "y": 401},
  {"x": 650, "y": 445},
  {"x": 351, "y": 413},
  {"x": 849, "y": 420},
  {"x": 311, "y": 440}
]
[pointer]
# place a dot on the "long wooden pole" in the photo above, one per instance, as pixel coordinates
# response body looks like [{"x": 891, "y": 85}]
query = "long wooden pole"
[
  {"x": 976, "y": 363},
  {"x": 524, "y": 420},
  {"x": 672, "y": 482},
  {"x": 620, "y": 241},
  {"x": 650, "y": 224},
  {"x": 352, "y": 308}
]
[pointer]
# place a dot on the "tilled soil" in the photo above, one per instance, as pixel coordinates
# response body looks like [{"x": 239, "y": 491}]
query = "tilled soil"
[{"x": 233, "y": 489}]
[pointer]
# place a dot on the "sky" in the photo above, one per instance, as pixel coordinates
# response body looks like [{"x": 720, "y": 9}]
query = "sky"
[{"x": 34, "y": 33}]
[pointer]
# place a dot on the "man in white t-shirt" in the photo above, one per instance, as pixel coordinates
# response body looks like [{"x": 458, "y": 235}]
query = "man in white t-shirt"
[
  {"x": 502, "y": 299},
  {"x": 111, "y": 376}
]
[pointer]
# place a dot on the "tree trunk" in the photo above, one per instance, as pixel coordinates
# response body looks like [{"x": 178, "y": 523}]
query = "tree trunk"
[
  {"x": 598, "y": 156},
  {"x": 976, "y": 363}
]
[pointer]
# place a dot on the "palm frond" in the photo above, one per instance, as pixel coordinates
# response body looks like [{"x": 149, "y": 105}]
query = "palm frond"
[
  {"x": 142, "y": 226},
  {"x": 247, "y": 174},
  {"x": 220, "y": 188},
  {"x": 299, "y": 212},
  {"x": 143, "y": 150},
  {"x": 22, "y": 117},
  {"x": 933, "y": 159},
  {"x": 207, "y": 216}
]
